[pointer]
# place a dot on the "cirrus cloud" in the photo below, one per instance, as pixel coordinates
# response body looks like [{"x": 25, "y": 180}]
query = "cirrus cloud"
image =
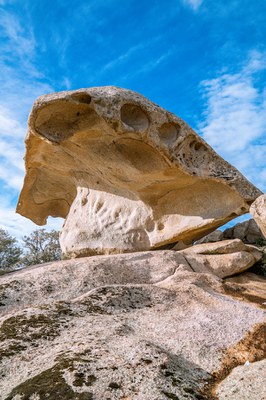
[{"x": 235, "y": 118}]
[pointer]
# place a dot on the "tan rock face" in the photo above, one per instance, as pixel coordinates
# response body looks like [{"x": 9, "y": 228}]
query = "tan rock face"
[
  {"x": 126, "y": 174},
  {"x": 247, "y": 286},
  {"x": 258, "y": 211},
  {"x": 225, "y": 258}
]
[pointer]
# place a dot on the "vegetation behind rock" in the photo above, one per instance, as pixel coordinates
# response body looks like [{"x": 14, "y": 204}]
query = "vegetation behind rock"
[{"x": 37, "y": 248}]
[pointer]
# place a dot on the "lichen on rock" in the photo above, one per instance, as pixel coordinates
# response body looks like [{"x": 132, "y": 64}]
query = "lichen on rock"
[{"x": 140, "y": 326}]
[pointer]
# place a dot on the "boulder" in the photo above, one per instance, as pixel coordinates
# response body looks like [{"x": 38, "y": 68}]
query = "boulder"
[
  {"x": 133, "y": 326},
  {"x": 225, "y": 258},
  {"x": 247, "y": 231},
  {"x": 126, "y": 174},
  {"x": 245, "y": 382},
  {"x": 214, "y": 236},
  {"x": 258, "y": 212}
]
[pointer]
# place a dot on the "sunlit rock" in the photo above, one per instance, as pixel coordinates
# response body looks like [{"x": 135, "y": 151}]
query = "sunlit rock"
[
  {"x": 258, "y": 211},
  {"x": 126, "y": 174}
]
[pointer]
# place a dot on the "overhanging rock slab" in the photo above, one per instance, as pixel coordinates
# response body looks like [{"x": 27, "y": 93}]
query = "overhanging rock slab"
[{"x": 126, "y": 174}]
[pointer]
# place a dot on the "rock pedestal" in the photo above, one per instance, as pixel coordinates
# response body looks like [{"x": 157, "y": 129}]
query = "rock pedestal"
[{"x": 126, "y": 174}]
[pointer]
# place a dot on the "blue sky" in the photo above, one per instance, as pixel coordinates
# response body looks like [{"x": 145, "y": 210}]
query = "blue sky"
[{"x": 204, "y": 60}]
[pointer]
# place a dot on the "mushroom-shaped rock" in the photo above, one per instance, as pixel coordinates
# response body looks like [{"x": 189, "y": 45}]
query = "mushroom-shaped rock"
[{"x": 126, "y": 174}]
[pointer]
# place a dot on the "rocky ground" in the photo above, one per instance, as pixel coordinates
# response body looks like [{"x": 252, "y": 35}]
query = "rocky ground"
[{"x": 142, "y": 326}]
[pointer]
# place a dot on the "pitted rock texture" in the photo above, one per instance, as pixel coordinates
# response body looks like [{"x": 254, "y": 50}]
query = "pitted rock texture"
[
  {"x": 126, "y": 174},
  {"x": 258, "y": 211},
  {"x": 139, "y": 326}
]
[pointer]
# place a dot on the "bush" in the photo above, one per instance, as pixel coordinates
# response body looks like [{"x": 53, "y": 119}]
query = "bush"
[
  {"x": 10, "y": 252},
  {"x": 41, "y": 247},
  {"x": 260, "y": 267}
]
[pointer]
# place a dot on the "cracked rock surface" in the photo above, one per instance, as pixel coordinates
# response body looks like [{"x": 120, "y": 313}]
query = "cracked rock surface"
[
  {"x": 126, "y": 174},
  {"x": 139, "y": 326}
]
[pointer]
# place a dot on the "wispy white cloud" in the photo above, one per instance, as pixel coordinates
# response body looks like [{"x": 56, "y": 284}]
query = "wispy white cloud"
[
  {"x": 194, "y": 4},
  {"x": 127, "y": 56},
  {"x": 20, "y": 83},
  {"x": 9, "y": 125},
  {"x": 149, "y": 66},
  {"x": 19, "y": 226},
  {"x": 235, "y": 118},
  {"x": 11, "y": 151},
  {"x": 123, "y": 57},
  {"x": 20, "y": 80}
]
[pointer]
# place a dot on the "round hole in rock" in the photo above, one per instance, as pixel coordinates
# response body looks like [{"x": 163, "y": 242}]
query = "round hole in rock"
[
  {"x": 134, "y": 117},
  {"x": 200, "y": 146},
  {"x": 150, "y": 225},
  {"x": 160, "y": 226},
  {"x": 169, "y": 132},
  {"x": 60, "y": 120},
  {"x": 81, "y": 97}
]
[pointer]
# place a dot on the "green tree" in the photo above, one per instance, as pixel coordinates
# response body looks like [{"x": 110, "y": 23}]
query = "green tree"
[
  {"x": 41, "y": 247},
  {"x": 10, "y": 252}
]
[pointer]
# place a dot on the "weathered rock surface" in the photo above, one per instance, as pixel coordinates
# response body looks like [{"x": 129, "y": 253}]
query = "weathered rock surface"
[
  {"x": 246, "y": 382},
  {"x": 225, "y": 258},
  {"x": 247, "y": 231},
  {"x": 214, "y": 236},
  {"x": 126, "y": 174},
  {"x": 139, "y": 326},
  {"x": 247, "y": 286},
  {"x": 258, "y": 212}
]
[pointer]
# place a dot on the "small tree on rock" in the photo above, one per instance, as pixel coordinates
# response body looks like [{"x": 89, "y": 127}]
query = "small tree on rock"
[
  {"x": 41, "y": 247},
  {"x": 10, "y": 252}
]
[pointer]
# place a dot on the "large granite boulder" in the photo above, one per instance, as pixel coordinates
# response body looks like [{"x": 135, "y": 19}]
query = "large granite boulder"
[
  {"x": 139, "y": 326},
  {"x": 126, "y": 174}
]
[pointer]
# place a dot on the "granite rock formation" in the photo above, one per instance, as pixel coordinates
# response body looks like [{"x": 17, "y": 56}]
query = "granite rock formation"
[
  {"x": 258, "y": 211},
  {"x": 138, "y": 326},
  {"x": 240, "y": 383},
  {"x": 212, "y": 237},
  {"x": 225, "y": 258},
  {"x": 247, "y": 231},
  {"x": 126, "y": 174}
]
